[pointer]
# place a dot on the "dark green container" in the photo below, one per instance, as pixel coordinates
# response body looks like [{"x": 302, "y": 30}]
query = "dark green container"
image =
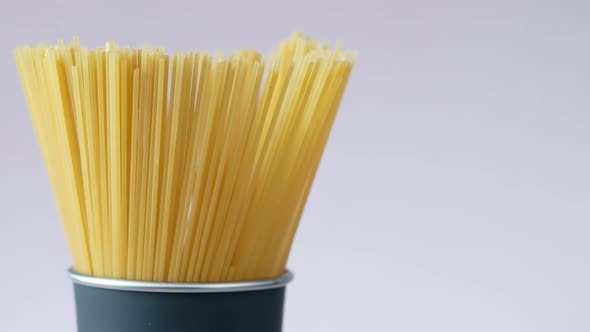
[{"x": 112, "y": 305}]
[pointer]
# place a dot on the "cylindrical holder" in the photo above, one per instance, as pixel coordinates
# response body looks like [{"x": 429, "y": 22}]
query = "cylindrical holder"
[{"x": 114, "y": 305}]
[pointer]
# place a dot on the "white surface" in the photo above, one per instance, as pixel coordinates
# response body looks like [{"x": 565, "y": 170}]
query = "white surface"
[{"x": 455, "y": 190}]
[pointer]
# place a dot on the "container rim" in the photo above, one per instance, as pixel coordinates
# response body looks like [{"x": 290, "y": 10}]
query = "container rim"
[{"x": 173, "y": 287}]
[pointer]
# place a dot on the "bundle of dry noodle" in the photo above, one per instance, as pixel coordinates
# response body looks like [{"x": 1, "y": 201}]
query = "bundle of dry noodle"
[{"x": 182, "y": 168}]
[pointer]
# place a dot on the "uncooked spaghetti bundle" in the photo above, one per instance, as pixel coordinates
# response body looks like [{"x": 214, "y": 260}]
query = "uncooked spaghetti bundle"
[{"x": 182, "y": 168}]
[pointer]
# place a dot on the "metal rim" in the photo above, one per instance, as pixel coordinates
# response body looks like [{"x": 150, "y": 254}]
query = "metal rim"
[{"x": 171, "y": 287}]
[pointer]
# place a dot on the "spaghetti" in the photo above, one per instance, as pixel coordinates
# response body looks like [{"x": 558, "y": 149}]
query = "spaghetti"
[{"x": 187, "y": 167}]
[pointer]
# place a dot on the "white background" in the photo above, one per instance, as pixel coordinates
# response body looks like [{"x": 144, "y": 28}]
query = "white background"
[{"x": 455, "y": 190}]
